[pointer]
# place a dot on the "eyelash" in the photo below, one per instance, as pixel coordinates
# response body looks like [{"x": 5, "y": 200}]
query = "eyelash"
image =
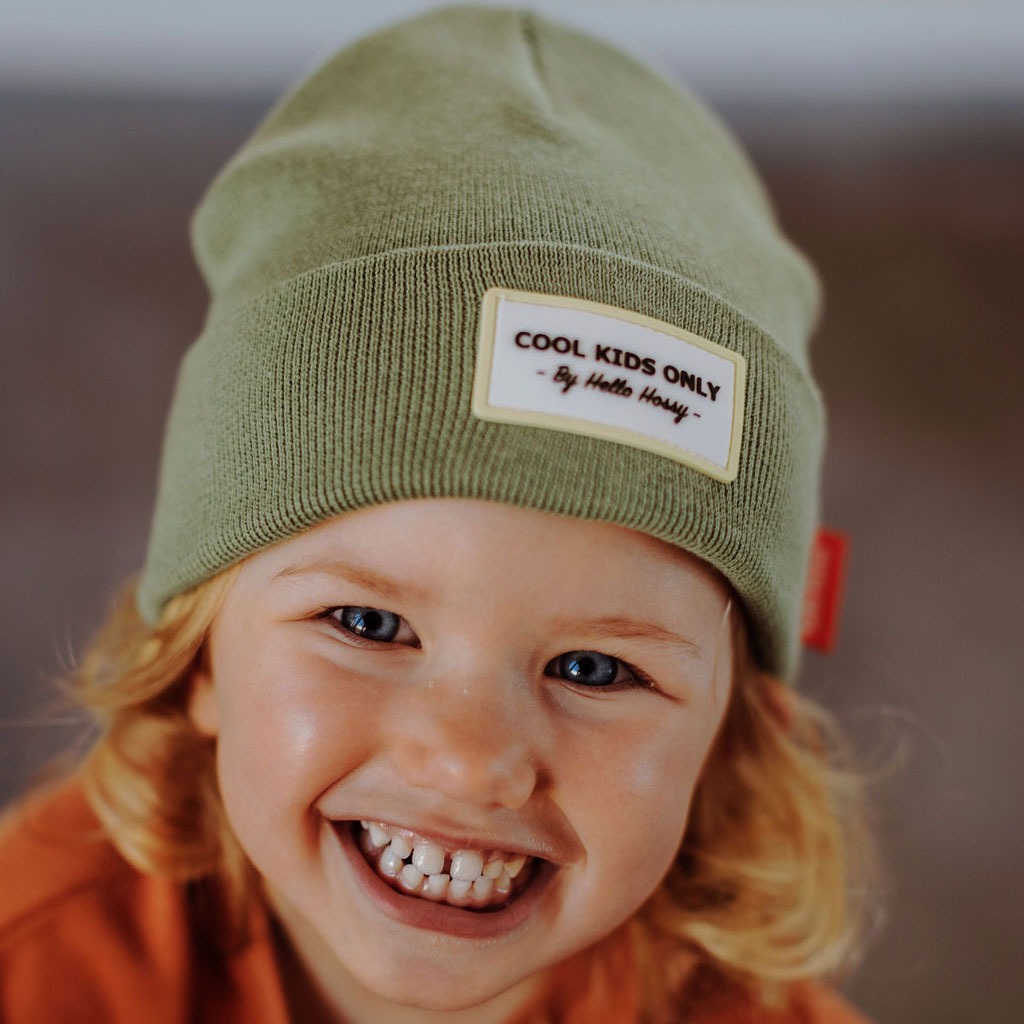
[
  {"x": 332, "y": 615},
  {"x": 637, "y": 680}
]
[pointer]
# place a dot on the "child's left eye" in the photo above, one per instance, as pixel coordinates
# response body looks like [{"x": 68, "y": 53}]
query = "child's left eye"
[
  {"x": 594, "y": 669},
  {"x": 373, "y": 624}
]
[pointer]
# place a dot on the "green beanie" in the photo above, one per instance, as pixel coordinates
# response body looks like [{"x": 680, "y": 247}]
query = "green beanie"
[{"x": 482, "y": 255}]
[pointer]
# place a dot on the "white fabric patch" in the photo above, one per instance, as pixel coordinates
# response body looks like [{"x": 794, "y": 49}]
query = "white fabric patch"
[{"x": 568, "y": 364}]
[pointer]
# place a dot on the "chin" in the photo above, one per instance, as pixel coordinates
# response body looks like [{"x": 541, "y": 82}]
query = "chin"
[{"x": 426, "y": 986}]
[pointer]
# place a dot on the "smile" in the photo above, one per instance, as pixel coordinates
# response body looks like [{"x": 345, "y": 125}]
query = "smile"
[{"x": 470, "y": 879}]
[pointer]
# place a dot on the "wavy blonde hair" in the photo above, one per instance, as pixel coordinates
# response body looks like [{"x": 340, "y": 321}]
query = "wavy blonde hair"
[{"x": 768, "y": 887}]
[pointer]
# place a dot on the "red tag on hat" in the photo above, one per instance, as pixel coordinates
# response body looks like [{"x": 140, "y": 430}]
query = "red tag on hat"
[{"x": 823, "y": 592}]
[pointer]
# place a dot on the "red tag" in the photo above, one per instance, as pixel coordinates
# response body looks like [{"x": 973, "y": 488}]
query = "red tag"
[{"x": 823, "y": 593}]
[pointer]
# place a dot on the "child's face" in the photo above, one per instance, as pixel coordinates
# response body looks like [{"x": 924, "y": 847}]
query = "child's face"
[{"x": 413, "y": 665}]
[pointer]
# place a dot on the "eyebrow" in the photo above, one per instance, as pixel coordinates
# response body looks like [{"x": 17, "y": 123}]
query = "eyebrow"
[
  {"x": 633, "y": 629},
  {"x": 360, "y": 576},
  {"x": 613, "y": 626}
]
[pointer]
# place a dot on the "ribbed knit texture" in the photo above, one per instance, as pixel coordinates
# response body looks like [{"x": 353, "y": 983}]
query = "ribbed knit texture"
[{"x": 347, "y": 248}]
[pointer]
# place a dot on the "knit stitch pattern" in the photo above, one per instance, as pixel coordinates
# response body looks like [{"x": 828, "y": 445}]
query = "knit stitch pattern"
[{"x": 347, "y": 248}]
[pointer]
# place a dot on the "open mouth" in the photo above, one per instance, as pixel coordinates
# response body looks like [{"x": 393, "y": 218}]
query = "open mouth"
[{"x": 470, "y": 879}]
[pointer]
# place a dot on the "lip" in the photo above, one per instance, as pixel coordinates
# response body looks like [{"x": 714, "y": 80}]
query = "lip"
[{"x": 438, "y": 917}]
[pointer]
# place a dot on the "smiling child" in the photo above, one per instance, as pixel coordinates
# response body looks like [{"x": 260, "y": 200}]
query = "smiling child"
[{"x": 454, "y": 685}]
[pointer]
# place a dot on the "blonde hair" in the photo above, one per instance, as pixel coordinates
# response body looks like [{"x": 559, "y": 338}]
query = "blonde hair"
[
  {"x": 150, "y": 777},
  {"x": 772, "y": 881},
  {"x": 766, "y": 890}
]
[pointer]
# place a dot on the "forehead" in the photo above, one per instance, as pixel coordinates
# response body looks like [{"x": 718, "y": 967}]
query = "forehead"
[
  {"x": 481, "y": 569},
  {"x": 499, "y": 540}
]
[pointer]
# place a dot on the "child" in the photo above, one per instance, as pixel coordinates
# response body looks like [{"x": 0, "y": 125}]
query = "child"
[{"x": 450, "y": 688}]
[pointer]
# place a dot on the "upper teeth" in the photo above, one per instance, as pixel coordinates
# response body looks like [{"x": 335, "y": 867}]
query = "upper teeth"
[{"x": 481, "y": 869}]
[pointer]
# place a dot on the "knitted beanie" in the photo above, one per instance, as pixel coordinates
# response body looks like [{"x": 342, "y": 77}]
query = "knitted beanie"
[{"x": 482, "y": 255}]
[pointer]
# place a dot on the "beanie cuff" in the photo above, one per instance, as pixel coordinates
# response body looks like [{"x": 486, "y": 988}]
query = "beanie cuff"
[{"x": 351, "y": 385}]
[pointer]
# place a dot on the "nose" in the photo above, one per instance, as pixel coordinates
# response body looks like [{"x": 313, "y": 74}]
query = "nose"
[{"x": 467, "y": 745}]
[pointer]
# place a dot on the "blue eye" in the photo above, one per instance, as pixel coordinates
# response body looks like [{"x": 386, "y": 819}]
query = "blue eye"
[
  {"x": 587, "y": 668},
  {"x": 368, "y": 623}
]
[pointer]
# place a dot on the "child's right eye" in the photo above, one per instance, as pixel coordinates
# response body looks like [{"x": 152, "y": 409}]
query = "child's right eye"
[{"x": 373, "y": 624}]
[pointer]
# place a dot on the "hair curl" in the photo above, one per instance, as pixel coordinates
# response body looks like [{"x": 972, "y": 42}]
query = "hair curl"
[{"x": 767, "y": 888}]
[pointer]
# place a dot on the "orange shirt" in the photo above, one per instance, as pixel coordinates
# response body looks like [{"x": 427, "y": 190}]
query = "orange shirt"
[{"x": 85, "y": 938}]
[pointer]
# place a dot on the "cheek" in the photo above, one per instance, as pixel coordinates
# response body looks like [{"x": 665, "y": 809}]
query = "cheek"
[
  {"x": 654, "y": 797},
  {"x": 286, "y": 735},
  {"x": 656, "y": 770},
  {"x": 638, "y": 798}
]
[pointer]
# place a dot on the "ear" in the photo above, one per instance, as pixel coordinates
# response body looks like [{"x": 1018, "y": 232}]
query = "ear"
[{"x": 202, "y": 700}]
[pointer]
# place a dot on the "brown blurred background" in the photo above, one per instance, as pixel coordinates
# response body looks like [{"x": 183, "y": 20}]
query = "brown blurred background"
[{"x": 912, "y": 206}]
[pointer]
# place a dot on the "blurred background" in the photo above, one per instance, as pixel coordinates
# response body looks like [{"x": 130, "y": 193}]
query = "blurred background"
[{"x": 892, "y": 138}]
